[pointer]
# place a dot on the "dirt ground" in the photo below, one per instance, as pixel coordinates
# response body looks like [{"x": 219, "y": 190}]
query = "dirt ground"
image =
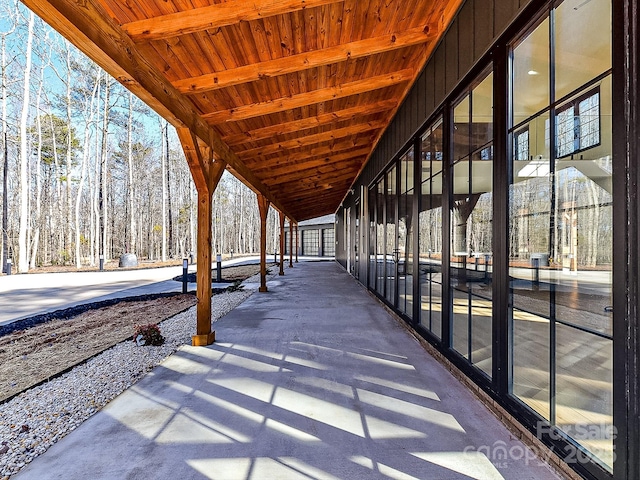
[{"x": 30, "y": 356}]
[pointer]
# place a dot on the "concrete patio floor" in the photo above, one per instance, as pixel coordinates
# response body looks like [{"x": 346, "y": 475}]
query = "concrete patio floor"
[{"x": 312, "y": 380}]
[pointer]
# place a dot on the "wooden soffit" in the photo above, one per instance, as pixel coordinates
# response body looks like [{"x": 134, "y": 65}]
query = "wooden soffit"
[{"x": 292, "y": 95}]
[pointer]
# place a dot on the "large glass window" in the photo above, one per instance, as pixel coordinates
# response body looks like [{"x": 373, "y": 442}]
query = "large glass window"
[
  {"x": 430, "y": 228},
  {"x": 472, "y": 223},
  {"x": 560, "y": 223},
  {"x": 372, "y": 237},
  {"x": 380, "y": 238},
  {"x": 310, "y": 242},
  {"x": 392, "y": 251},
  {"x": 405, "y": 234},
  {"x": 328, "y": 242}
]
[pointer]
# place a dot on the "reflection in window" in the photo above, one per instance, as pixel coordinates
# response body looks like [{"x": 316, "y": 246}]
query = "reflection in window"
[
  {"x": 578, "y": 124},
  {"x": 472, "y": 226},
  {"x": 521, "y": 145},
  {"x": 560, "y": 227},
  {"x": 405, "y": 234},
  {"x": 430, "y": 229}
]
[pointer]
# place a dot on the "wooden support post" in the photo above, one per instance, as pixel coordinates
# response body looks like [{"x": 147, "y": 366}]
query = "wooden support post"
[
  {"x": 263, "y": 207},
  {"x": 290, "y": 243},
  {"x": 206, "y": 174},
  {"x": 204, "y": 335},
  {"x": 281, "y": 243},
  {"x": 297, "y": 243}
]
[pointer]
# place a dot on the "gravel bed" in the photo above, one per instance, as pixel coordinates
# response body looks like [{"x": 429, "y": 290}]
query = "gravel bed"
[{"x": 36, "y": 419}]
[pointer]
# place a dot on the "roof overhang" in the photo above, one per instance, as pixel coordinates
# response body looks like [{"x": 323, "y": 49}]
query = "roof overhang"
[{"x": 292, "y": 95}]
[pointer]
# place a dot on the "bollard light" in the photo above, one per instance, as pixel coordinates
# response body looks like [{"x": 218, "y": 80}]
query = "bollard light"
[
  {"x": 101, "y": 263},
  {"x": 218, "y": 268},
  {"x": 185, "y": 267}
]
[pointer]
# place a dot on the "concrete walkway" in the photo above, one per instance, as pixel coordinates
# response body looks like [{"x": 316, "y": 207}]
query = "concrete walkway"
[
  {"x": 312, "y": 380},
  {"x": 23, "y": 296}
]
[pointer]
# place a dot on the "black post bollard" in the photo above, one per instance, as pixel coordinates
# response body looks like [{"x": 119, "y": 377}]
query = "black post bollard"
[
  {"x": 185, "y": 267},
  {"x": 8, "y": 271},
  {"x": 101, "y": 263},
  {"x": 536, "y": 273},
  {"x": 218, "y": 268},
  {"x": 486, "y": 268}
]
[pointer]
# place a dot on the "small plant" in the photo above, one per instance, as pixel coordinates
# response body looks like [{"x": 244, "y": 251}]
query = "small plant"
[
  {"x": 237, "y": 285},
  {"x": 148, "y": 335}
]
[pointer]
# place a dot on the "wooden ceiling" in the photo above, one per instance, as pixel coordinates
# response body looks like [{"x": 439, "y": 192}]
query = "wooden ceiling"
[{"x": 292, "y": 94}]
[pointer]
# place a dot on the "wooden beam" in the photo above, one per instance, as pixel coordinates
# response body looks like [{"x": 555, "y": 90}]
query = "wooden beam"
[
  {"x": 320, "y": 177},
  {"x": 314, "y": 173},
  {"x": 263, "y": 207},
  {"x": 297, "y": 243},
  {"x": 206, "y": 175},
  {"x": 204, "y": 335},
  {"x": 320, "y": 195},
  {"x": 357, "y": 87},
  {"x": 281, "y": 243},
  {"x": 86, "y": 24},
  {"x": 330, "y": 202},
  {"x": 258, "y": 164},
  {"x": 309, "y": 140},
  {"x": 311, "y": 210},
  {"x": 213, "y": 17},
  {"x": 191, "y": 153},
  {"x": 302, "y": 165},
  {"x": 307, "y": 60},
  {"x": 310, "y": 122}
]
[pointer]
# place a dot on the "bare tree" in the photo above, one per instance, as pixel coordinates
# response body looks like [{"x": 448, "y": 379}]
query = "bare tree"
[{"x": 23, "y": 261}]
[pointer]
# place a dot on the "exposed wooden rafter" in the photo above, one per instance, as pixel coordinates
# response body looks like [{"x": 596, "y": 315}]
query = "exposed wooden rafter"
[
  {"x": 309, "y": 98},
  {"x": 310, "y": 122},
  {"x": 315, "y": 173},
  {"x": 313, "y": 185},
  {"x": 289, "y": 95},
  {"x": 213, "y": 16},
  {"x": 305, "y": 61},
  {"x": 305, "y": 165},
  {"x": 310, "y": 140}
]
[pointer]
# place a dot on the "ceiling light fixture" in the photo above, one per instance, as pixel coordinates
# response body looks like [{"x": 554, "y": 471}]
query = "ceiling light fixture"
[{"x": 533, "y": 72}]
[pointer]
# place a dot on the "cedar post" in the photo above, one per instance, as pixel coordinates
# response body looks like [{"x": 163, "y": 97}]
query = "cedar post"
[
  {"x": 290, "y": 243},
  {"x": 281, "y": 243},
  {"x": 297, "y": 243},
  {"x": 263, "y": 206},
  {"x": 204, "y": 335},
  {"x": 206, "y": 173}
]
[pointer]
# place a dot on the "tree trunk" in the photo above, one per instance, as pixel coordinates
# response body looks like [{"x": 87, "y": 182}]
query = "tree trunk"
[
  {"x": 83, "y": 173},
  {"x": 5, "y": 158},
  {"x": 102, "y": 179},
  {"x": 36, "y": 235},
  {"x": 23, "y": 261},
  {"x": 69, "y": 224},
  {"x": 168, "y": 172},
  {"x": 131, "y": 247}
]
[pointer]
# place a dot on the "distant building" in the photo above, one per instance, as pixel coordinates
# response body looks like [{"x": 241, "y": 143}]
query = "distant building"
[{"x": 316, "y": 237}]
